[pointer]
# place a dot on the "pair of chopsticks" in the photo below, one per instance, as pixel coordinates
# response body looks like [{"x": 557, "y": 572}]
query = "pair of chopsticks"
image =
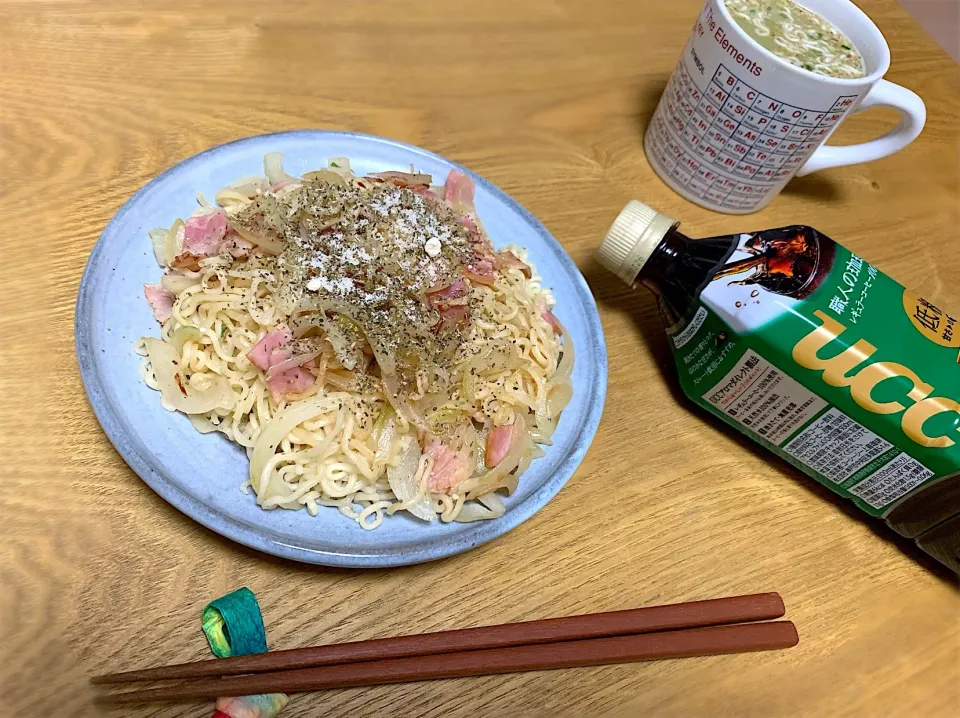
[{"x": 699, "y": 628}]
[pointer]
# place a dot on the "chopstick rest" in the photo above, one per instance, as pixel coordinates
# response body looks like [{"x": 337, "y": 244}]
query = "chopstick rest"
[{"x": 233, "y": 626}]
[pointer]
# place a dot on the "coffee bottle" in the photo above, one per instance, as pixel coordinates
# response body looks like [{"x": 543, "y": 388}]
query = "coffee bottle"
[{"x": 812, "y": 352}]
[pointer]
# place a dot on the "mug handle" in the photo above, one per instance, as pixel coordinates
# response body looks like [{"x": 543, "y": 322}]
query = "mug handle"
[{"x": 913, "y": 115}]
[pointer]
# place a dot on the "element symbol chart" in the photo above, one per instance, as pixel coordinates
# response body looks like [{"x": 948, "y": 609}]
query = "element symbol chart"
[{"x": 729, "y": 144}]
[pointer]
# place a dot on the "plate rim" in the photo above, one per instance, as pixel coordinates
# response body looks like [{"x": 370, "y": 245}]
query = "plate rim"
[{"x": 126, "y": 442}]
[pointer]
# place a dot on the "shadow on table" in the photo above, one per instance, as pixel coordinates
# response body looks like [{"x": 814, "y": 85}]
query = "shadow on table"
[
  {"x": 818, "y": 187},
  {"x": 188, "y": 525},
  {"x": 641, "y": 307}
]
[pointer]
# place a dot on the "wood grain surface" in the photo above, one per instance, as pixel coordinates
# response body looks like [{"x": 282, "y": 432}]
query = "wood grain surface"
[{"x": 548, "y": 100}]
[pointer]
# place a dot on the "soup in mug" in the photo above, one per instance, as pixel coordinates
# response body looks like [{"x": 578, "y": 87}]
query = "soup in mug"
[{"x": 799, "y": 36}]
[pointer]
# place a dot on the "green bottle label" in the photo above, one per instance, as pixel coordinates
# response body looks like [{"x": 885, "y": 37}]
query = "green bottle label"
[{"x": 826, "y": 361}]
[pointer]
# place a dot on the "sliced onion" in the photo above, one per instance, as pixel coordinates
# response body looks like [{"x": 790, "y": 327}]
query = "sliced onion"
[
  {"x": 232, "y": 198},
  {"x": 493, "y": 502},
  {"x": 493, "y": 359},
  {"x": 469, "y": 385},
  {"x": 341, "y": 165},
  {"x": 543, "y": 434},
  {"x": 522, "y": 467},
  {"x": 399, "y": 402},
  {"x": 560, "y": 396},
  {"x": 502, "y": 361},
  {"x": 158, "y": 238},
  {"x": 432, "y": 401},
  {"x": 446, "y": 415},
  {"x": 291, "y": 363},
  {"x": 284, "y": 185},
  {"x": 498, "y": 475},
  {"x": 272, "y": 246},
  {"x": 488, "y": 506},
  {"x": 480, "y": 460},
  {"x": 345, "y": 381},
  {"x": 544, "y": 430},
  {"x": 173, "y": 242},
  {"x": 251, "y": 191},
  {"x": 255, "y": 182},
  {"x": 402, "y": 478},
  {"x": 384, "y": 430},
  {"x": 276, "y": 431},
  {"x": 202, "y": 424},
  {"x": 303, "y": 322},
  {"x": 565, "y": 365},
  {"x": 183, "y": 335},
  {"x": 342, "y": 333},
  {"x": 177, "y": 283},
  {"x": 273, "y": 168},
  {"x": 469, "y": 442},
  {"x": 472, "y": 511},
  {"x": 320, "y": 371},
  {"x": 183, "y": 396},
  {"x": 510, "y": 481},
  {"x": 542, "y": 413},
  {"x": 326, "y": 176}
]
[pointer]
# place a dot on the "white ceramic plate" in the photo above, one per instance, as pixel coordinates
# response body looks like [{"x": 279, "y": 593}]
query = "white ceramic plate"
[{"x": 201, "y": 474}]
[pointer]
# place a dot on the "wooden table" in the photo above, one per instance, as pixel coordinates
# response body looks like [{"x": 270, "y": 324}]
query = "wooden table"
[{"x": 548, "y": 100}]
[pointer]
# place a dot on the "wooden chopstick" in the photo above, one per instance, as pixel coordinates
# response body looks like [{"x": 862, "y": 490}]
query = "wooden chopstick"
[
  {"x": 718, "y": 611},
  {"x": 713, "y": 640}
]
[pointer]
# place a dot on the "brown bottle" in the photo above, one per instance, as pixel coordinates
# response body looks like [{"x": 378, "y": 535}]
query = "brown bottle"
[
  {"x": 649, "y": 249},
  {"x": 943, "y": 543},
  {"x": 926, "y": 508}
]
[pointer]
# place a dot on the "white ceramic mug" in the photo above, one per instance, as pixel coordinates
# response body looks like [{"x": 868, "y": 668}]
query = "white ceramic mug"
[{"x": 736, "y": 123}]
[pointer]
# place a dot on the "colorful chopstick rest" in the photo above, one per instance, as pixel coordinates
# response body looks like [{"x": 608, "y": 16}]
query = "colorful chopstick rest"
[{"x": 233, "y": 626}]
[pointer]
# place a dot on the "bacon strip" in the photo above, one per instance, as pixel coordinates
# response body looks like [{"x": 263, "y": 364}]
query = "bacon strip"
[
  {"x": 480, "y": 272},
  {"x": 202, "y": 233},
  {"x": 508, "y": 260},
  {"x": 453, "y": 317},
  {"x": 450, "y": 467},
  {"x": 264, "y": 354},
  {"x": 499, "y": 442},
  {"x": 404, "y": 179},
  {"x": 457, "y": 290},
  {"x": 458, "y": 192},
  {"x": 552, "y": 320},
  {"x": 160, "y": 300}
]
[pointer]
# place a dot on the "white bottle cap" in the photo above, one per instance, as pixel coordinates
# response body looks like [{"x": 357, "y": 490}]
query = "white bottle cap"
[{"x": 631, "y": 239}]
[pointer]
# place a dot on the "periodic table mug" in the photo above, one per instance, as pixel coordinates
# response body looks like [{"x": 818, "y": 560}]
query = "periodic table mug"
[{"x": 736, "y": 122}]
